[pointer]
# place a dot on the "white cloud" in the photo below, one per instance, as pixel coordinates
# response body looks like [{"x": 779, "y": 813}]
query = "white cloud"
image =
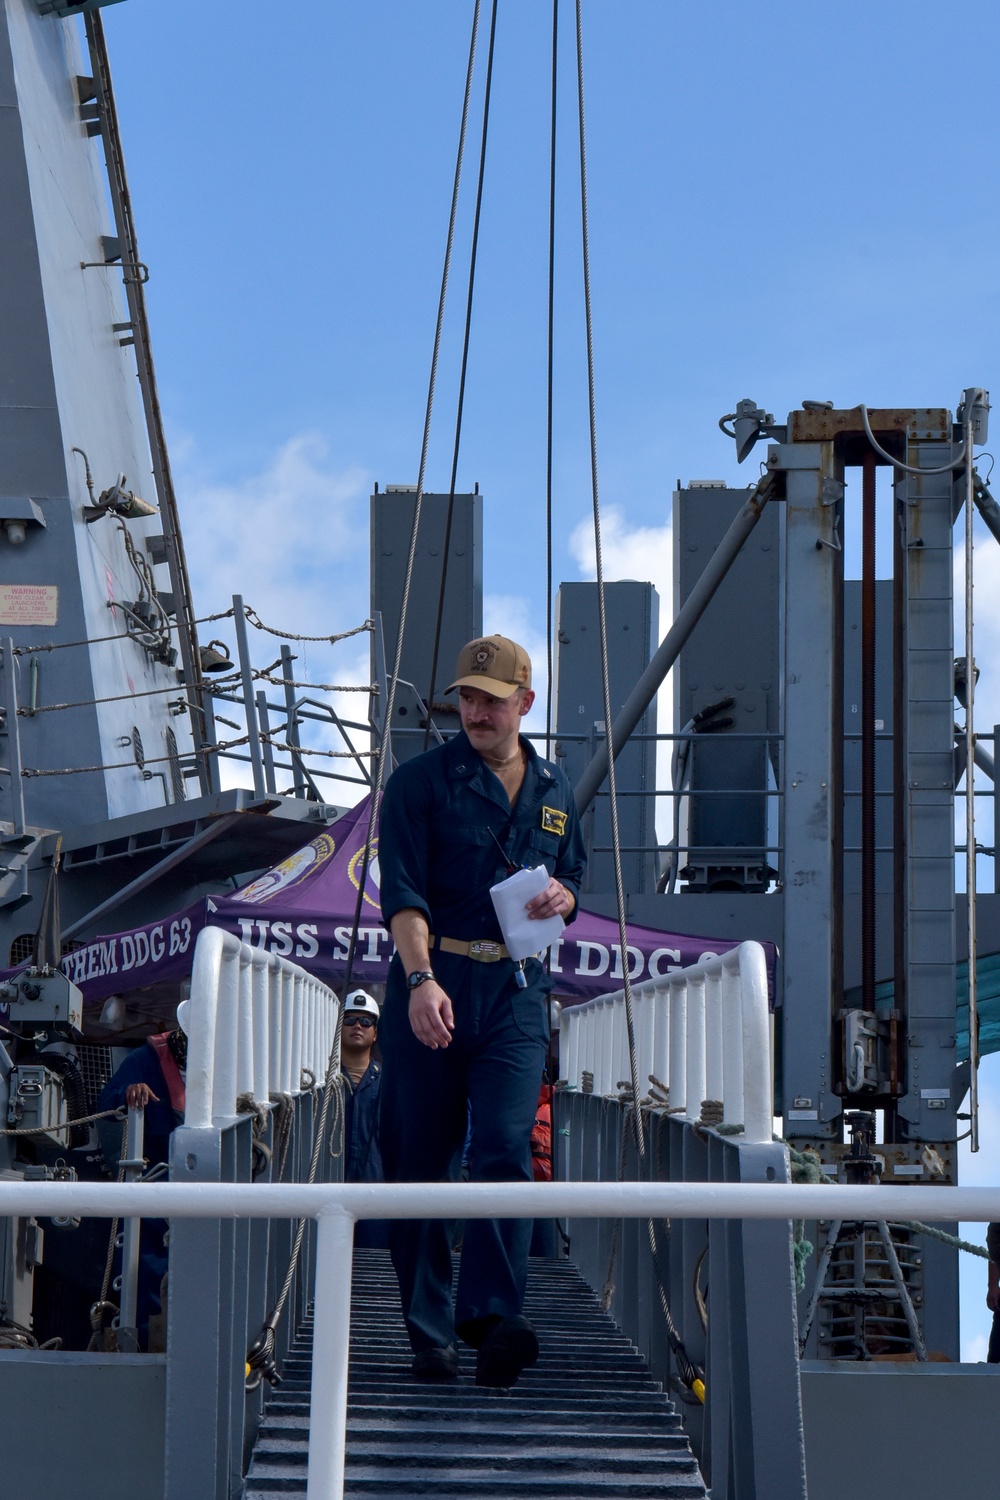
[
  {"x": 513, "y": 615},
  {"x": 974, "y": 1349},
  {"x": 293, "y": 541},
  {"x": 643, "y": 554},
  {"x": 285, "y": 538}
]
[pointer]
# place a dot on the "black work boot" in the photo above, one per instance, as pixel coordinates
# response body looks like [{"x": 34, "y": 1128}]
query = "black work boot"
[
  {"x": 506, "y": 1350},
  {"x": 435, "y": 1364}
]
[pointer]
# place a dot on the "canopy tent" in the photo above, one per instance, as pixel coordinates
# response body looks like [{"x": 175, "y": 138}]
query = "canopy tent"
[
  {"x": 304, "y": 909},
  {"x": 987, "y": 1004}
]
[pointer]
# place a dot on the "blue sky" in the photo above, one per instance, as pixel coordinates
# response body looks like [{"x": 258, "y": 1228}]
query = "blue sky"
[{"x": 787, "y": 202}]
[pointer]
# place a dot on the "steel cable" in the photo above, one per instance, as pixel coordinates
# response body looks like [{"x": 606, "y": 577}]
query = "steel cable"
[
  {"x": 418, "y": 501},
  {"x": 446, "y": 549},
  {"x": 690, "y": 1374},
  {"x": 601, "y": 610},
  {"x": 549, "y": 383},
  {"x": 260, "y": 1358}
]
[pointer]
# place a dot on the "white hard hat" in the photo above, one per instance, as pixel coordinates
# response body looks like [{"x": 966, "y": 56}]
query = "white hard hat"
[{"x": 360, "y": 1000}]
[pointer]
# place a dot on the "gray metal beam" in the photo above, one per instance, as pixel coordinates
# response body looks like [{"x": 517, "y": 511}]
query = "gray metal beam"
[
  {"x": 673, "y": 642},
  {"x": 928, "y": 992},
  {"x": 811, "y": 778},
  {"x": 150, "y": 876},
  {"x": 986, "y": 505}
]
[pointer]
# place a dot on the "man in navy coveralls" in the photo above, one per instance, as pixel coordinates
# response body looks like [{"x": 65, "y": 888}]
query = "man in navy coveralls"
[{"x": 463, "y": 1039}]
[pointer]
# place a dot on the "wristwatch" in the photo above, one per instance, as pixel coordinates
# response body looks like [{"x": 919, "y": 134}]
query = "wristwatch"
[{"x": 414, "y": 980}]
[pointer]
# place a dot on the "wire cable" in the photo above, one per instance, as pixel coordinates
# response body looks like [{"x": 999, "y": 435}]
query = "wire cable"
[
  {"x": 446, "y": 550},
  {"x": 897, "y": 463},
  {"x": 690, "y": 1372},
  {"x": 549, "y": 385},
  {"x": 411, "y": 555},
  {"x": 601, "y": 610}
]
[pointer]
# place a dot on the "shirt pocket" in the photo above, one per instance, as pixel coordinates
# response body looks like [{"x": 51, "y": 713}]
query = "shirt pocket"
[{"x": 543, "y": 849}]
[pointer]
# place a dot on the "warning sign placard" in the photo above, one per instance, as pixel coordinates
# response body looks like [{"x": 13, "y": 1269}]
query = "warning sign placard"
[{"x": 28, "y": 603}]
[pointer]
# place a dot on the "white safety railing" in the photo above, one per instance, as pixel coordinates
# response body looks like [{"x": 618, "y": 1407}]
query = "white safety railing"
[
  {"x": 703, "y": 1031},
  {"x": 254, "y": 1024},
  {"x": 336, "y": 1206}
]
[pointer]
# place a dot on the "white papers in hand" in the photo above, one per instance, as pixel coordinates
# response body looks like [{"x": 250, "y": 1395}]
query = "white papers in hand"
[{"x": 521, "y": 934}]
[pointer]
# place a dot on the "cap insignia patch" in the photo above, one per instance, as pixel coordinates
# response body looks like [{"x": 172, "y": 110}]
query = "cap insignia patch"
[{"x": 482, "y": 657}]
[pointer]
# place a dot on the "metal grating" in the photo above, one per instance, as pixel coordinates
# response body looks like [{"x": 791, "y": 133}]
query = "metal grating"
[
  {"x": 21, "y": 949},
  {"x": 96, "y": 1065}
]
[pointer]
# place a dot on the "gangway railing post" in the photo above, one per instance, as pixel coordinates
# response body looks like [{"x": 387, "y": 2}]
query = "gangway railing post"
[{"x": 331, "y": 1325}]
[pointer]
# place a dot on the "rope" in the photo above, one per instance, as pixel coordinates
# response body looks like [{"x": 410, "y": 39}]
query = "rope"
[
  {"x": 446, "y": 550},
  {"x": 223, "y": 614},
  {"x": 16, "y": 1336},
  {"x": 602, "y": 614},
  {"x": 260, "y": 1355},
  {"x": 289, "y": 635},
  {"x": 282, "y": 1120},
  {"x": 150, "y": 760},
  {"x": 266, "y": 675},
  {"x": 418, "y": 502},
  {"x": 260, "y": 1358},
  {"x": 94, "y": 640},
  {"x": 608, "y": 1289},
  {"x": 246, "y": 1104},
  {"x": 915, "y": 1226},
  {"x": 50, "y": 708},
  {"x": 105, "y": 1114},
  {"x": 550, "y": 363},
  {"x": 270, "y": 739},
  {"x": 691, "y": 1374}
]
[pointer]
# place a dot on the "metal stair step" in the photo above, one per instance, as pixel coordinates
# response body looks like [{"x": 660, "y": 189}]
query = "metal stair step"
[
  {"x": 624, "y": 1407},
  {"x": 528, "y": 1456},
  {"x": 447, "y": 1483},
  {"x": 393, "y": 1430},
  {"x": 587, "y": 1420}
]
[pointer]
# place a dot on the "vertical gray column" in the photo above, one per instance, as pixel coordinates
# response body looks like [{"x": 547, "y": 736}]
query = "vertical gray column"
[
  {"x": 811, "y": 774},
  {"x": 927, "y": 1108}
]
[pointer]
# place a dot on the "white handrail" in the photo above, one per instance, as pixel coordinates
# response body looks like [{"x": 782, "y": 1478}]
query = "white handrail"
[
  {"x": 704, "y": 1031},
  {"x": 254, "y": 1022},
  {"x": 336, "y": 1206}
]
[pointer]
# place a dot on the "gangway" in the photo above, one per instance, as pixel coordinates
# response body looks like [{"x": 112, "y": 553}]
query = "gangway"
[
  {"x": 587, "y": 1420},
  {"x": 593, "y": 1417}
]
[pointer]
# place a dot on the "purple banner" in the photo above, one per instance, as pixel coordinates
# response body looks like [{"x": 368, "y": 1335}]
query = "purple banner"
[{"x": 303, "y": 909}]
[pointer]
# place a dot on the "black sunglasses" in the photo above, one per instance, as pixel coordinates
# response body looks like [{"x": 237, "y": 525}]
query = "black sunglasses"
[{"x": 359, "y": 1019}]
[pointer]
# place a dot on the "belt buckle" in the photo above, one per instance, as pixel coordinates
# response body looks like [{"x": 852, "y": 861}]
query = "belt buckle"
[{"x": 485, "y": 951}]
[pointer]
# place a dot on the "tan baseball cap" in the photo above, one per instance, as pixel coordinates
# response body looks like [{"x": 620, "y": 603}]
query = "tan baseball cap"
[{"x": 494, "y": 664}]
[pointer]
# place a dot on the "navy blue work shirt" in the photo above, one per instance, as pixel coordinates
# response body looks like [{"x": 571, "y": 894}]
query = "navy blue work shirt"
[
  {"x": 160, "y": 1119},
  {"x": 362, "y": 1158},
  {"x": 447, "y": 833}
]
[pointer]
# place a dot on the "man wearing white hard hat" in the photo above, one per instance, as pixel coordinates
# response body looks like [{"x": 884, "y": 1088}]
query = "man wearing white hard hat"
[{"x": 363, "y": 1079}]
